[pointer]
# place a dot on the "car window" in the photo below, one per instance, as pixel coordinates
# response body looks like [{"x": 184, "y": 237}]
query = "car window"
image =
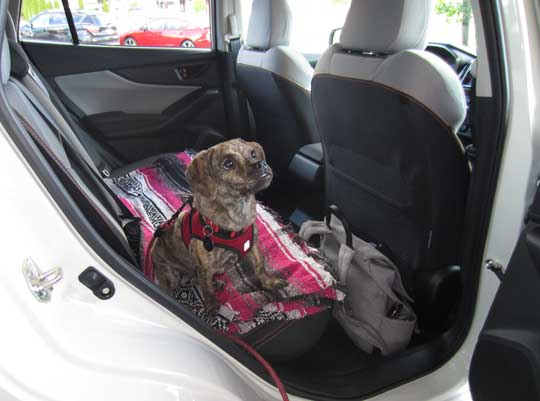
[
  {"x": 155, "y": 25},
  {"x": 78, "y": 18},
  {"x": 41, "y": 20},
  {"x": 103, "y": 20},
  {"x": 177, "y": 24},
  {"x": 57, "y": 19},
  {"x": 38, "y": 19},
  {"x": 314, "y": 20},
  {"x": 86, "y": 20},
  {"x": 121, "y": 23}
]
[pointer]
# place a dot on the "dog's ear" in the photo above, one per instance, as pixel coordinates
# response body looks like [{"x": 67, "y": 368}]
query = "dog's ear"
[{"x": 200, "y": 176}]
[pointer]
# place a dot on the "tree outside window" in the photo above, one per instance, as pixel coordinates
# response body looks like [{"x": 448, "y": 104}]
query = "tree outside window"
[{"x": 457, "y": 11}]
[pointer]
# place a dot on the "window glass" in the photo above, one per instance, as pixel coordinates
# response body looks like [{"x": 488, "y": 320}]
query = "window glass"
[
  {"x": 85, "y": 20},
  {"x": 44, "y": 21},
  {"x": 177, "y": 24},
  {"x": 313, "y": 21},
  {"x": 453, "y": 23},
  {"x": 57, "y": 19},
  {"x": 157, "y": 25},
  {"x": 41, "y": 20},
  {"x": 120, "y": 22},
  {"x": 78, "y": 18}
]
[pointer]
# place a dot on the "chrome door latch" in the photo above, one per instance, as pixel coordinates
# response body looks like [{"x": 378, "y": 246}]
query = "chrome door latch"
[
  {"x": 496, "y": 267},
  {"x": 40, "y": 283}
]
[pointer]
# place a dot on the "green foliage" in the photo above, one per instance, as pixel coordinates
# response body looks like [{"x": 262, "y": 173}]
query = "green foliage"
[
  {"x": 80, "y": 4},
  {"x": 199, "y": 6},
  {"x": 341, "y": 2},
  {"x": 105, "y": 6},
  {"x": 31, "y": 8},
  {"x": 455, "y": 10}
]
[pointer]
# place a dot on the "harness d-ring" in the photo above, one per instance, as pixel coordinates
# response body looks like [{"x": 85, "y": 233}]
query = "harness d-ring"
[{"x": 208, "y": 231}]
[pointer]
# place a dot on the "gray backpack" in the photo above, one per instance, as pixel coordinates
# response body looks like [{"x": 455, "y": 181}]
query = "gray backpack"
[{"x": 376, "y": 311}]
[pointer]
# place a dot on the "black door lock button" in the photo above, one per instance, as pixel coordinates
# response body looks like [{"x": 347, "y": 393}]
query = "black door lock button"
[{"x": 101, "y": 286}]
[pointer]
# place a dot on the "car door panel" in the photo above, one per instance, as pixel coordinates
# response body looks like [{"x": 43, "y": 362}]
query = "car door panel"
[
  {"x": 139, "y": 101},
  {"x": 103, "y": 91},
  {"x": 506, "y": 361},
  {"x": 152, "y": 37}
]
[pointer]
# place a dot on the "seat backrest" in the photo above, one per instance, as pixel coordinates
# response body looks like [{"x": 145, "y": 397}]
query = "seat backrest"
[
  {"x": 276, "y": 80},
  {"x": 387, "y": 113}
]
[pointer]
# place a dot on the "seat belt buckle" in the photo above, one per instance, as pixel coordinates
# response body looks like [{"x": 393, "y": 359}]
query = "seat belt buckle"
[
  {"x": 105, "y": 173},
  {"x": 471, "y": 152}
]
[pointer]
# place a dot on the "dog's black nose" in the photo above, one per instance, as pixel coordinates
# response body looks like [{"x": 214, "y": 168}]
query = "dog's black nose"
[{"x": 261, "y": 164}]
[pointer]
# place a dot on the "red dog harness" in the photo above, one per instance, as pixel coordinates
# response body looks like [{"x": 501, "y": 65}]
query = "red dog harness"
[{"x": 195, "y": 225}]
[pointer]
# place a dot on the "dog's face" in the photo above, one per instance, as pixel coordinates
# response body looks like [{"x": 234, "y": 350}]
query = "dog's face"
[{"x": 235, "y": 167}]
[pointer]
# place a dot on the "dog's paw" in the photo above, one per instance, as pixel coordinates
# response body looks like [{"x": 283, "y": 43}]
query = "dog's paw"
[
  {"x": 280, "y": 283},
  {"x": 274, "y": 284},
  {"x": 211, "y": 305}
]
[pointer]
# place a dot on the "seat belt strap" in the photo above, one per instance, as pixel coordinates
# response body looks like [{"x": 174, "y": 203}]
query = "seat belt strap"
[
  {"x": 68, "y": 180},
  {"x": 72, "y": 142},
  {"x": 242, "y": 108},
  {"x": 118, "y": 209}
]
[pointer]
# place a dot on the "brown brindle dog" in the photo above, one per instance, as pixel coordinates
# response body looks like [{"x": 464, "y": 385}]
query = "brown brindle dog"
[{"x": 224, "y": 180}]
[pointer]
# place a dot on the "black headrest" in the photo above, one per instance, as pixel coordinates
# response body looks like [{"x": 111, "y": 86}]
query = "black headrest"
[{"x": 20, "y": 64}]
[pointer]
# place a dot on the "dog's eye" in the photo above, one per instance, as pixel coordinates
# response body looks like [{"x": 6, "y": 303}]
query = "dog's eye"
[
  {"x": 228, "y": 164},
  {"x": 253, "y": 154}
]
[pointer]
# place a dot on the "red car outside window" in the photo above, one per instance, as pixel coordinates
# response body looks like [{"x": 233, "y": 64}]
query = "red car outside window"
[{"x": 168, "y": 33}]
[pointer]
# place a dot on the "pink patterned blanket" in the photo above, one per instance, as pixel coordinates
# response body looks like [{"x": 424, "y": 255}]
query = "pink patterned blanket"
[{"x": 155, "y": 192}]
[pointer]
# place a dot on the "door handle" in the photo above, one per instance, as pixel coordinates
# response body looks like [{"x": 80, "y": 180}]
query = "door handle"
[
  {"x": 40, "y": 283},
  {"x": 187, "y": 72},
  {"x": 182, "y": 73}
]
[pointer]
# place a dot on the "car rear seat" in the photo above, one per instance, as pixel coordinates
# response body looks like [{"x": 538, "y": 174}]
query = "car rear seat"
[{"x": 27, "y": 95}]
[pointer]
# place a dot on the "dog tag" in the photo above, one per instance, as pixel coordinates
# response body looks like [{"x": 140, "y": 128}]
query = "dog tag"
[{"x": 208, "y": 244}]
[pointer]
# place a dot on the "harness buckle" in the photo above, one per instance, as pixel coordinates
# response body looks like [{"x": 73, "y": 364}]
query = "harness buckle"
[{"x": 208, "y": 231}]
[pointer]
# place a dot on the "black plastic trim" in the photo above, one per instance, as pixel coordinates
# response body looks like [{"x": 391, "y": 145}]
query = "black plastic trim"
[
  {"x": 54, "y": 59},
  {"x": 71, "y": 23}
]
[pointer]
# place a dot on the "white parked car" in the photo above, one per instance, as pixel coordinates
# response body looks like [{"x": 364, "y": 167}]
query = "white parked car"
[{"x": 430, "y": 149}]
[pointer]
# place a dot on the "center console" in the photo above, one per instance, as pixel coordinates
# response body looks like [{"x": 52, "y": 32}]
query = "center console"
[
  {"x": 307, "y": 166},
  {"x": 307, "y": 174}
]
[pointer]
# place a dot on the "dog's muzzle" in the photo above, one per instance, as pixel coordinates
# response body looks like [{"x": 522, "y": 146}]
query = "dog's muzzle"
[{"x": 264, "y": 169}]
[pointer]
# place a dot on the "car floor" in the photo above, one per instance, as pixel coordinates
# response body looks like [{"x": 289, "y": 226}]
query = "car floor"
[
  {"x": 330, "y": 365},
  {"x": 335, "y": 368}
]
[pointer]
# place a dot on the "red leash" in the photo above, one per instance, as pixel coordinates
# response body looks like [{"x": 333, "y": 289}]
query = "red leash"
[
  {"x": 261, "y": 360},
  {"x": 149, "y": 273}
]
